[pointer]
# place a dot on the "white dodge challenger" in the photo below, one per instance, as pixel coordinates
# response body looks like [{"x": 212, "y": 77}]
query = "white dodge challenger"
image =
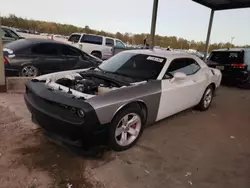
[{"x": 116, "y": 100}]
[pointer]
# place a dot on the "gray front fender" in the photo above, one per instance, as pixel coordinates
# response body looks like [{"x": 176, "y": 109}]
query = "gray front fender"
[{"x": 107, "y": 104}]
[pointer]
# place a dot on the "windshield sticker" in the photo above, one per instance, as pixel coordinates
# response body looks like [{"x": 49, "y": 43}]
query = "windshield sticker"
[
  {"x": 155, "y": 59},
  {"x": 8, "y": 50}
]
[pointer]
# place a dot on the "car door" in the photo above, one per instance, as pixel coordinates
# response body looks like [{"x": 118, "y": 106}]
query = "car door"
[
  {"x": 119, "y": 44},
  {"x": 108, "y": 51},
  {"x": 47, "y": 57},
  {"x": 178, "y": 95},
  {"x": 74, "y": 59}
]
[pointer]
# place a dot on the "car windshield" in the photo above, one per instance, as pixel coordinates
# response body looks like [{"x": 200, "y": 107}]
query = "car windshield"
[
  {"x": 137, "y": 66},
  {"x": 227, "y": 57}
]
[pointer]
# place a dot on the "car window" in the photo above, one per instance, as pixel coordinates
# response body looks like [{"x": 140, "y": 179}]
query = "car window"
[
  {"x": 6, "y": 33},
  {"x": 92, "y": 39},
  {"x": 109, "y": 42},
  {"x": 46, "y": 49},
  {"x": 69, "y": 51},
  {"x": 119, "y": 44},
  {"x": 139, "y": 66},
  {"x": 74, "y": 38},
  {"x": 185, "y": 65},
  {"x": 9, "y": 33},
  {"x": 14, "y": 35},
  {"x": 227, "y": 57}
]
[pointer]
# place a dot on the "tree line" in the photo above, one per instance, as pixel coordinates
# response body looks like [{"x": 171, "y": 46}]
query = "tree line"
[{"x": 66, "y": 29}]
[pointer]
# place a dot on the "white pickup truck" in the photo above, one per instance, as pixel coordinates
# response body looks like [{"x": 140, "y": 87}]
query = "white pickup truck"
[{"x": 96, "y": 45}]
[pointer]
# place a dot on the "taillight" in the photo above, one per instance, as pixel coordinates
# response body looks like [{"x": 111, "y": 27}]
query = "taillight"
[
  {"x": 5, "y": 60},
  {"x": 238, "y": 65}
]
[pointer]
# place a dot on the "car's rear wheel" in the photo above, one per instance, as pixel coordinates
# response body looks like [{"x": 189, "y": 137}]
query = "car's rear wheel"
[
  {"x": 126, "y": 128},
  {"x": 29, "y": 71},
  {"x": 207, "y": 99},
  {"x": 97, "y": 54}
]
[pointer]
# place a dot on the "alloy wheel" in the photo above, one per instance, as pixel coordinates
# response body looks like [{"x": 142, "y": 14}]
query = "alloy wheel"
[{"x": 128, "y": 129}]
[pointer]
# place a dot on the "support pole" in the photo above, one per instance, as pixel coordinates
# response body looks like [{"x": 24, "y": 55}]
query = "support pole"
[
  {"x": 209, "y": 33},
  {"x": 153, "y": 23},
  {"x": 2, "y": 72}
]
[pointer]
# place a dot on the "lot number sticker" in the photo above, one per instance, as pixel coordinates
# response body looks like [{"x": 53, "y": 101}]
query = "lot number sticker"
[{"x": 155, "y": 59}]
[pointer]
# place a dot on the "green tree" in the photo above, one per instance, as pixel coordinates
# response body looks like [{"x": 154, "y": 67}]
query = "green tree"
[{"x": 67, "y": 29}]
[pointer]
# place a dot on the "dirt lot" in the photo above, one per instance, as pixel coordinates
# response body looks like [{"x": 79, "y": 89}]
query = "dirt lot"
[{"x": 192, "y": 149}]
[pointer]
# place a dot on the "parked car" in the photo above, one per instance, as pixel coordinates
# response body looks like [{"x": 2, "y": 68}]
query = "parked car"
[
  {"x": 96, "y": 45},
  {"x": 32, "y": 57},
  {"x": 116, "y": 100},
  {"x": 9, "y": 35},
  {"x": 234, "y": 64}
]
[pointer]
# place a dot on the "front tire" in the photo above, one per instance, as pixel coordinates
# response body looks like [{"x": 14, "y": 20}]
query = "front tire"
[
  {"x": 126, "y": 128},
  {"x": 207, "y": 99}
]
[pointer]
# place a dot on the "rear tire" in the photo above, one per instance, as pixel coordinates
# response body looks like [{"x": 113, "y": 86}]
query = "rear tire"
[
  {"x": 29, "y": 71},
  {"x": 206, "y": 99},
  {"x": 126, "y": 128}
]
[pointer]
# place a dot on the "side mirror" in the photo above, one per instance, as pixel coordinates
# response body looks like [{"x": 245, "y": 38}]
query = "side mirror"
[{"x": 178, "y": 76}]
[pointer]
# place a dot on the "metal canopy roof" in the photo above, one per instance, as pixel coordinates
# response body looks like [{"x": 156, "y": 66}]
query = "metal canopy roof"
[{"x": 224, "y": 4}]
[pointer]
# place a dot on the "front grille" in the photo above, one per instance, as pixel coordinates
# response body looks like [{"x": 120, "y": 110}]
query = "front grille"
[{"x": 50, "y": 107}]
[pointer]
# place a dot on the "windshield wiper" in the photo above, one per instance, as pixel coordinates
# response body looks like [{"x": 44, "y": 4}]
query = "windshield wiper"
[
  {"x": 97, "y": 67},
  {"x": 120, "y": 74}
]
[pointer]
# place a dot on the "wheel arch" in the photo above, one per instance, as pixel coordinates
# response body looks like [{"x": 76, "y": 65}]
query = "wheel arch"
[
  {"x": 139, "y": 103},
  {"x": 213, "y": 86},
  {"x": 96, "y": 51}
]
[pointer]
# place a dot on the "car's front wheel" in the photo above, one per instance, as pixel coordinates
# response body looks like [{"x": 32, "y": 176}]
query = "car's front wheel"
[
  {"x": 207, "y": 99},
  {"x": 126, "y": 128}
]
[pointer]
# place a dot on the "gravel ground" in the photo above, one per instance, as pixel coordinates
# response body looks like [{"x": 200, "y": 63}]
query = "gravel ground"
[{"x": 192, "y": 149}]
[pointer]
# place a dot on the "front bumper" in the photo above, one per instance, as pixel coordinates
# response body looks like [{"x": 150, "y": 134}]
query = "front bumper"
[{"x": 50, "y": 110}]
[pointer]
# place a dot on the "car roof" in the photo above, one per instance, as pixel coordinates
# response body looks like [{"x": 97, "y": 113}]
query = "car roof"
[
  {"x": 23, "y": 43},
  {"x": 161, "y": 53},
  {"x": 231, "y": 49},
  {"x": 94, "y": 35},
  {"x": 39, "y": 40}
]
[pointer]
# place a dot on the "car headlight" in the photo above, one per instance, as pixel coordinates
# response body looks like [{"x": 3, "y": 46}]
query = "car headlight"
[{"x": 80, "y": 113}]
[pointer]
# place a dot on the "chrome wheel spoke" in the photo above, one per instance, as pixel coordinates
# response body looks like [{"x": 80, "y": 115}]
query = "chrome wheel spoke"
[
  {"x": 125, "y": 120},
  {"x": 118, "y": 131},
  {"x": 132, "y": 131},
  {"x": 124, "y": 138},
  {"x": 132, "y": 121}
]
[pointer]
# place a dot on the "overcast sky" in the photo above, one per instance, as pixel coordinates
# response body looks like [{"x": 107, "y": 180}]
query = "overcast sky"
[{"x": 181, "y": 18}]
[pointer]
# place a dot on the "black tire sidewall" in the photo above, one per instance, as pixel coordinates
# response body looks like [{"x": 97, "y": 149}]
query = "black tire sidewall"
[{"x": 112, "y": 141}]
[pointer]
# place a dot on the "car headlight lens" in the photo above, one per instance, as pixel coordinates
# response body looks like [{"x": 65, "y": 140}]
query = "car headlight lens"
[{"x": 80, "y": 113}]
